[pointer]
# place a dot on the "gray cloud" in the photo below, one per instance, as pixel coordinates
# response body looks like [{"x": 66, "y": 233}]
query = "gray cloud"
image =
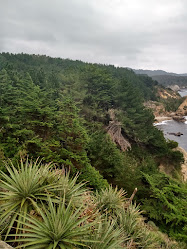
[{"x": 148, "y": 34}]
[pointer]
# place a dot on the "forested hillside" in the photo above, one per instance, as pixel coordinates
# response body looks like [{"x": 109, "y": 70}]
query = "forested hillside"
[
  {"x": 168, "y": 80},
  {"x": 164, "y": 78},
  {"x": 153, "y": 72},
  {"x": 90, "y": 118}
]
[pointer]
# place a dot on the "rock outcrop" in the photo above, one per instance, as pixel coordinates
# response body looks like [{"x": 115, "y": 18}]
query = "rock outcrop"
[
  {"x": 161, "y": 114},
  {"x": 175, "y": 88},
  {"x": 179, "y": 118},
  {"x": 157, "y": 107},
  {"x": 178, "y": 134},
  {"x": 167, "y": 93}
]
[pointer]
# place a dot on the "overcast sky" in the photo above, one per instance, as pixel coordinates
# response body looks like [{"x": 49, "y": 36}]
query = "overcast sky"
[{"x": 147, "y": 34}]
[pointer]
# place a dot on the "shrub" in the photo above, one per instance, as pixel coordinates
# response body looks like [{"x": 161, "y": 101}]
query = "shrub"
[
  {"x": 60, "y": 227},
  {"x": 21, "y": 191},
  {"x": 110, "y": 201}
]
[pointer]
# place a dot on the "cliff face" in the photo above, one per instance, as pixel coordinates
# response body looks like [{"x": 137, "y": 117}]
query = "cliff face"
[
  {"x": 157, "y": 108},
  {"x": 167, "y": 98},
  {"x": 167, "y": 93}
]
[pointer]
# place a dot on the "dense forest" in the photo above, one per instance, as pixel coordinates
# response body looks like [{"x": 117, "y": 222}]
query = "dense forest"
[{"x": 89, "y": 119}]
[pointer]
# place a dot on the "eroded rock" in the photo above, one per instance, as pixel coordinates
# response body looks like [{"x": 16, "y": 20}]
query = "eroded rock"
[{"x": 179, "y": 119}]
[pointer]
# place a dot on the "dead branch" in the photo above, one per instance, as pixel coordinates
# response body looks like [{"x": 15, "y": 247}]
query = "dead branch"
[
  {"x": 114, "y": 131},
  {"x": 131, "y": 198}
]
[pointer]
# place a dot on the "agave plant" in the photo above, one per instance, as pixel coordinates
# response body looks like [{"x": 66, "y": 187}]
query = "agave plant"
[
  {"x": 71, "y": 189},
  {"x": 61, "y": 227},
  {"x": 134, "y": 228},
  {"x": 107, "y": 235},
  {"x": 110, "y": 201},
  {"x": 21, "y": 191},
  {"x": 68, "y": 187}
]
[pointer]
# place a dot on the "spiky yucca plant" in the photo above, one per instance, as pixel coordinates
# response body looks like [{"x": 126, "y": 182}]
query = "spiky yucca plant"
[
  {"x": 133, "y": 226},
  {"x": 20, "y": 192},
  {"x": 44, "y": 208},
  {"x": 107, "y": 235},
  {"x": 110, "y": 200},
  {"x": 71, "y": 189},
  {"x": 68, "y": 187},
  {"x": 61, "y": 227}
]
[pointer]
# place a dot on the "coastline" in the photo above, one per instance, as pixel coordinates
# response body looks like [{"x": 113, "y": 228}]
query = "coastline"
[
  {"x": 161, "y": 115},
  {"x": 178, "y": 118},
  {"x": 160, "y": 119}
]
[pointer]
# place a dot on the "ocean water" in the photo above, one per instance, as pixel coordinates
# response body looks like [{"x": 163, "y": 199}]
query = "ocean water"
[
  {"x": 172, "y": 126},
  {"x": 183, "y": 92}
]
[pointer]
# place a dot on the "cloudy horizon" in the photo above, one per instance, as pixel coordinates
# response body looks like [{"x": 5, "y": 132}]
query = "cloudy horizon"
[{"x": 146, "y": 34}]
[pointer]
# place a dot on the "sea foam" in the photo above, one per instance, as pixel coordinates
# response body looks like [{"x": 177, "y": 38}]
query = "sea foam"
[{"x": 162, "y": 122}]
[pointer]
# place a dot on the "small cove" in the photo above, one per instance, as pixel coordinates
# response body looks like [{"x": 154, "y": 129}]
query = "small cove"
[{"x": 172, "y": 126}]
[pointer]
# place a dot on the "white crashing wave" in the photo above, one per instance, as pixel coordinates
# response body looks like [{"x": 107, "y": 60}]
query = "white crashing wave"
[
  {"x": 186, "y": 119},
  {"x": 162, "y": 122}
]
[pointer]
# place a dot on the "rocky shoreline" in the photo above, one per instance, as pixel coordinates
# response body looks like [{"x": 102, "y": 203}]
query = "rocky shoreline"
[
  {"x": 159, "y": 119},
  {"x": 162, "y": 115},
  {"x": 178, "y": 118}
]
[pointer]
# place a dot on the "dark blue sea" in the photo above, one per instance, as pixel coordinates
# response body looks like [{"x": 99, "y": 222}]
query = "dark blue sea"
[{"x": 171, "y": 126}]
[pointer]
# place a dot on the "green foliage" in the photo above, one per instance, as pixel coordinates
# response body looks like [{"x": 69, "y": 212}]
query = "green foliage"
[
  {"x": 107, "y": 235},
  {"x": 99, "y": 86},
  {"x": 167, "y": 204},
  {"x": 172, "y": 144},
  {"x": 172, "y": 104},
  {"x": 104, "y": 154},
  {"x": 132, "y": 224},
  {"x": 168, "y": 80},
  {"x": 68, "y": 187},
  {"x": 58, "y": 110},
  {"x": 70, "y": 134},
  {"x": 61, "y": 213},
  {"x": 93, "y": 177},
  {"x": 137, "y": 122},
  {"x": 117, "y": 167},
  {"x": 39, "y": 87},
  {"x": 61, "y": 227},
  {"x": 20, "y": 192},
  {"x": 110, "y": 201}
]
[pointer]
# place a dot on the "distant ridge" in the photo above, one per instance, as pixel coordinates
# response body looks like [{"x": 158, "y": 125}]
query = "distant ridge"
[
  {"x": 156, "y": 72},
  {"x": 165, "y": 78}
]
